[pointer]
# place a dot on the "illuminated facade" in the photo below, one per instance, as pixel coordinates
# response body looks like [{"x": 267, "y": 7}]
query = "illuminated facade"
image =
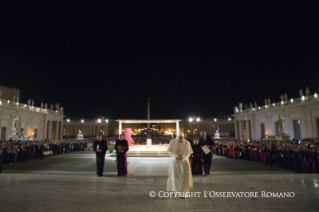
[
  {"x": 88, "y": 127},
  {"x": 301, "y": 117},
  {"x": 37, "y": 122}
]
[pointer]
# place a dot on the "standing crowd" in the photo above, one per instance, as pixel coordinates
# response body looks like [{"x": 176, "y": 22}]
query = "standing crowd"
[
  {"x": 13, "y": 151},
  {"x": 299, "y": 156}
]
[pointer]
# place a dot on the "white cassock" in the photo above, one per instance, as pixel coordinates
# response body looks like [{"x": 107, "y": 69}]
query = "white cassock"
[{"x": 179, "y": 174}]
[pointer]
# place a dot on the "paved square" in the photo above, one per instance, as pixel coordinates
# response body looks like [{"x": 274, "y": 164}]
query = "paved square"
[{"x": 68, "y": 183}]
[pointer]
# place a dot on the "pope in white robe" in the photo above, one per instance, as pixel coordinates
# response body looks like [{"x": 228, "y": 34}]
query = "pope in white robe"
[{"x": 179, "y": 175}]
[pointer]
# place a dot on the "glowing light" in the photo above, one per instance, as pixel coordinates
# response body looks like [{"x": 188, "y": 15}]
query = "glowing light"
[
  {"x": 253, "y": 108},
  {"x": 215, "y": 119},
  {"x": 303, "y": 98},
  {"x": 198, "y": 119},
  {"x": 273, "y": 104},
  {"x": 106, "y": 120},
  {"x": 0, "y": 102},
  {"x": 99, "y": 121},
  {"x": 265, "y": 106},
  {"x": 190, "y": 119},
  {"x": 82, "y": 121},
  {"x": 266, "y": 133},
  {"x": 8, "y": 101},
  {"x": 259, "y": 107},
  {"x": 229, "y": 119},
  {"x": 291, "y": 100},
  {"x": 316, "y": 95},
  {"x": 282, "y": 102},
  {"x": 68, "y": 120},
  {"x": 25, "y": 105}
]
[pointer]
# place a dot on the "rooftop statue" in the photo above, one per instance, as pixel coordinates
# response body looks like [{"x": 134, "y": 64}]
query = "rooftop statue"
[
  {"x": 307, "y": 91},
  {"x": 285, "y": 97},
  {"x": 301, "y": 92}
]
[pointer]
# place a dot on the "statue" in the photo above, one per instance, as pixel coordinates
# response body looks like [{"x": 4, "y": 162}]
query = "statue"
[
  {"x": 282, "y": 97},
  {"x": 255, "y": 104},
  {"x": 251, "y": 105},
  {"x": 240, "y": 106},
  {"x": 32, "y": 103},
  {"x": 16, "y": 124},
  {"x": 265, "y": 101},
  {"x": 217, "y": 130},
  {"x": 246, "y": 106},
  {"x": 51, "y": 107},
  {"x": 29, "y": 101},
  {"x": 61, "y": 109},
  {"x": 14, "y": 97},
  {"x": 281, "y": 126},
  {"x": 269, "y": 102},
  {"x": 301, "y": 92},
  {"x": 307, "y": 91},
  {"x": 41, "y": 105},
  {"x": 285, "y": 97},
  {"x": 46, "y": 106}
]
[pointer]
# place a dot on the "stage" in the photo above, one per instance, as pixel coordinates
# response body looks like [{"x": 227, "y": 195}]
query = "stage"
[{"x": 145, "y": 151}]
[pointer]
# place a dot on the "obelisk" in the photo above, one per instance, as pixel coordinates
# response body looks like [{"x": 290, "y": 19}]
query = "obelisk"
[{"x": 148, "y": 118}]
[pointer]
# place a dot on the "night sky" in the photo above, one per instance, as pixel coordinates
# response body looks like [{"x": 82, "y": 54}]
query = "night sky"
[{"x": 190, "y": 58}]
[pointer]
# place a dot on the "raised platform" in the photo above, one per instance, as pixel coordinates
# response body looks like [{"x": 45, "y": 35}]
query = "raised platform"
[{"x": 144, "y": 151}]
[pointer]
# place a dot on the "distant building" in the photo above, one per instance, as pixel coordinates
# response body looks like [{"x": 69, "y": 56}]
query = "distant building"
[
  {"x": 301, "y": 117},
  {"x": 37, "y": 122}
]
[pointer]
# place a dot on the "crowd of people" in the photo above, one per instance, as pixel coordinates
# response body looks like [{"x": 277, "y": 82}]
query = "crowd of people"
[
  {"x": 299, "y": 156},
  {"x": 17, "y": 151}
]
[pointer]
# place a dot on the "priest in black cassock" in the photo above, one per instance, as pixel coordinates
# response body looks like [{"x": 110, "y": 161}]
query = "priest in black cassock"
[
  {"x": 121, "y": 147},
  {"x": 206, "y": 158},
  {"x": 100, "y": 147}
]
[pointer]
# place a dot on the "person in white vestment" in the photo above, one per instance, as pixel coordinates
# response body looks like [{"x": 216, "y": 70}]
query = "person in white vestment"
[{"x": 180, "y": 178}]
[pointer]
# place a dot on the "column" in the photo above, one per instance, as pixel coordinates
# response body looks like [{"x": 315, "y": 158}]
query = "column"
[
  {"x": 61, "y": 130},
  {"x": 56, "y": 137},
  {"x": 120, "y": 127},
  {"x": 45, "y": 134},
  {"x": 94, "y": 130},
  {"x": 240, "y": 129},
  {"x": 190, "y": 127},
  {"x": 248, "y": 130},
  {"x": 106, "y": 130},
  {"x": 253, "y": 130},
  {"x": 177, "y": 128},
  {"x": 50, "y": 130},
  {"x": 309, "y": 125}
]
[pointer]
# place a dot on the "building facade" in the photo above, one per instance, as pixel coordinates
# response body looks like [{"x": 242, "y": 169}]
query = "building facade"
[
  {"x": 301, "y": 117},
  {"x": 37, "y": 122},
  {"x": 88, "y": 127},
  {"x": 106, "y": 127}
]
